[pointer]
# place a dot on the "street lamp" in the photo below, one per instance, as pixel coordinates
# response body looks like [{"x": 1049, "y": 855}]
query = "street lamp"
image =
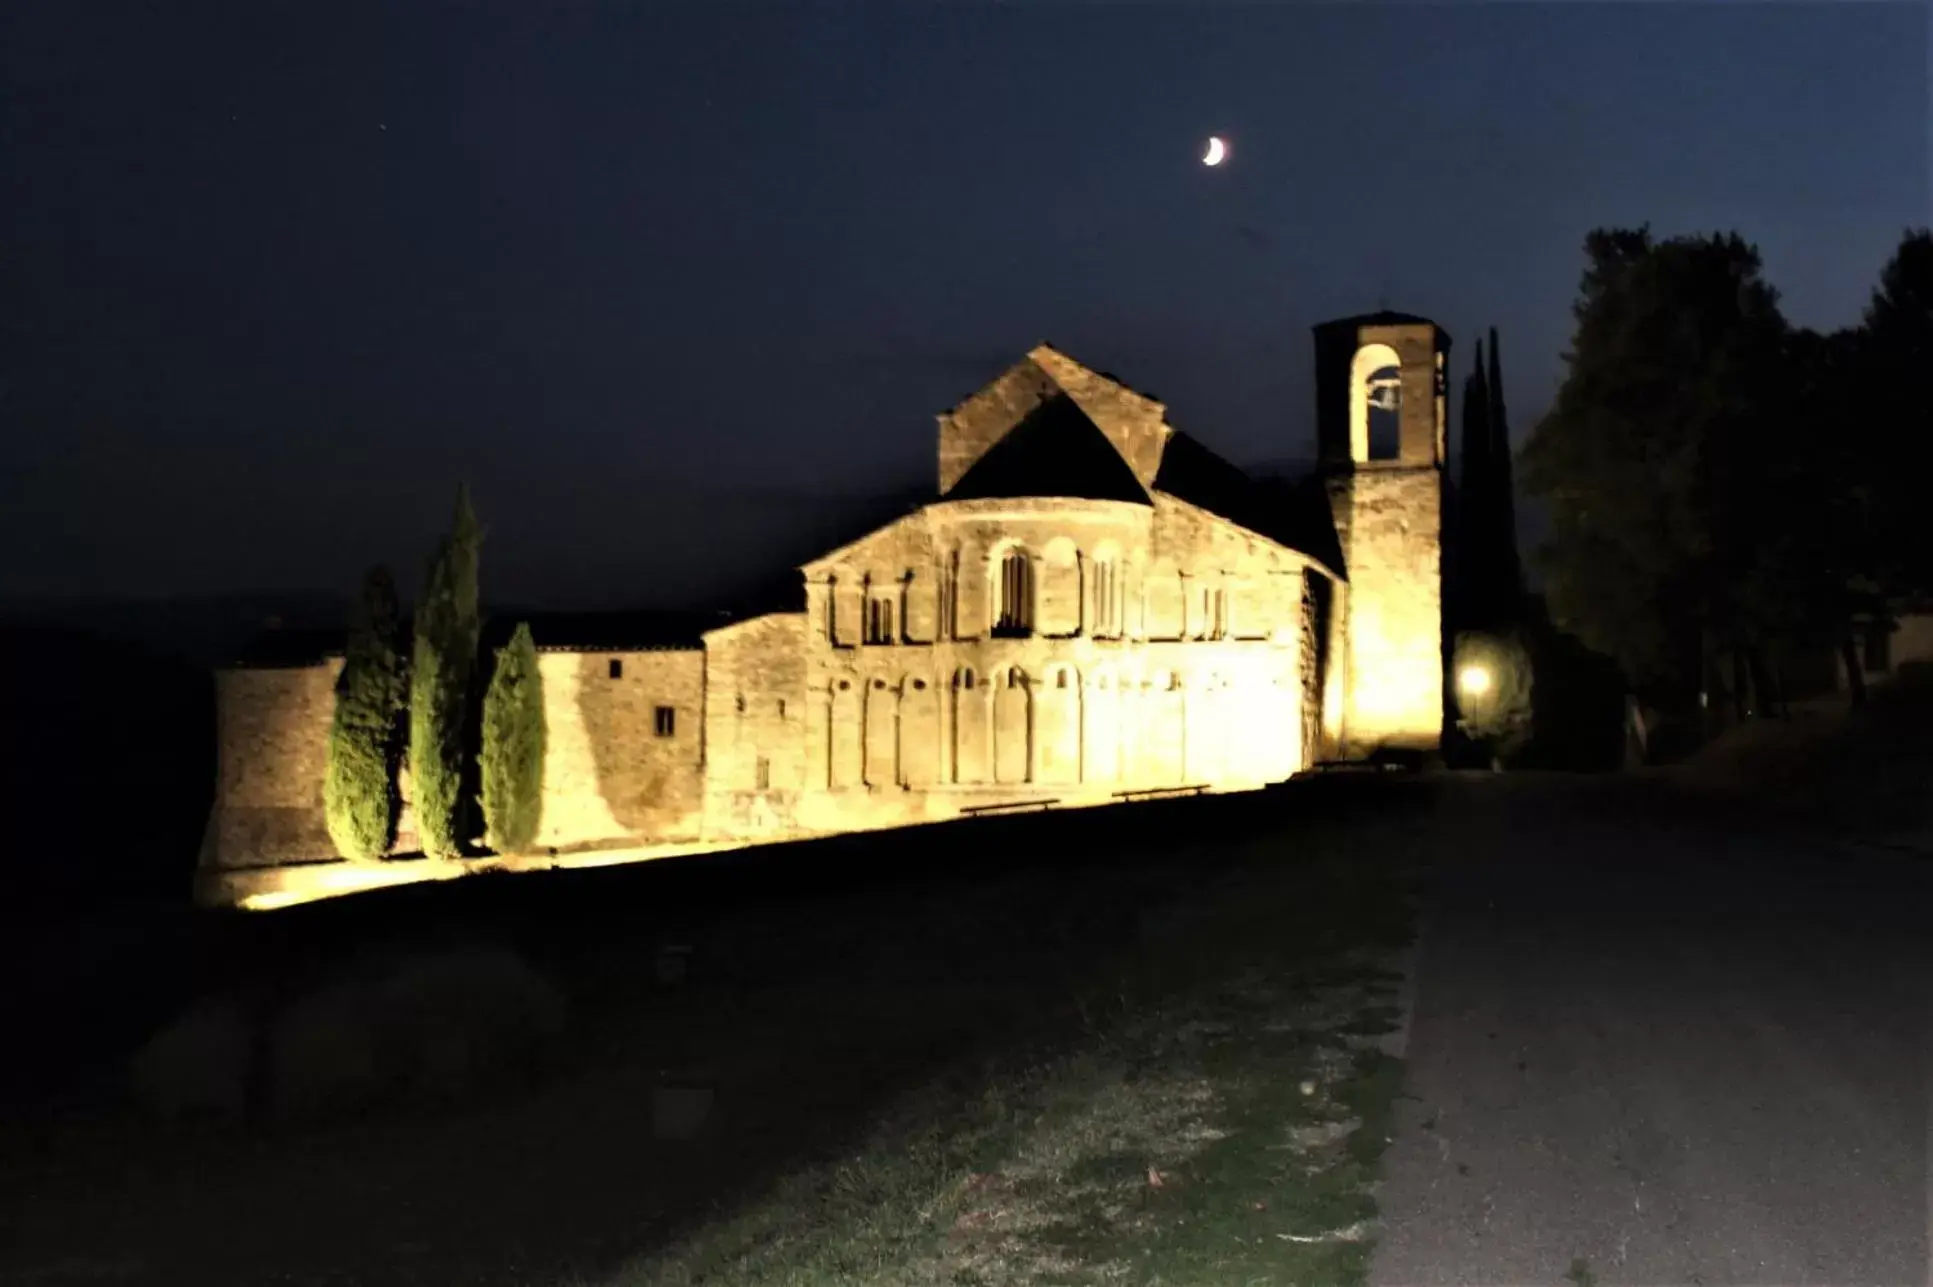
[{"x": 1473, "y": 680}]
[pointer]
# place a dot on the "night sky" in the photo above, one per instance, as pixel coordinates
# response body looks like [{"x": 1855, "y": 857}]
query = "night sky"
[{"x": 660, "y": 281}]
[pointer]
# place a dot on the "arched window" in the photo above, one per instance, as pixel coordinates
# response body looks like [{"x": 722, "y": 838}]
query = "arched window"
[
  {"x": 1384, "y": 399},
  {"x": 1375, "y": 404},
  {"x": 1016, "y": 597},
  {"x": 1105, "y": 601},
  {"x": 1015, "y": 677},
  {"x": 963, "y": 678}
]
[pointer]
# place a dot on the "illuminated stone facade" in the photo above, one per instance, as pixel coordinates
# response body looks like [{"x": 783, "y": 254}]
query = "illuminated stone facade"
[
  {"x": 1093, "y": 607},
  {"x": 1384, "y": 470}
]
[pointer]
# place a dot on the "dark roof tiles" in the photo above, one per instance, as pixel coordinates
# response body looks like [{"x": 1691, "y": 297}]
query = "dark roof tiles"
[
  {"x": 1295, "y": 515},
  {"x": 1055, "y": 451}
]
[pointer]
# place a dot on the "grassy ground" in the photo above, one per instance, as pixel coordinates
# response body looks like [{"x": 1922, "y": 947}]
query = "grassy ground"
[
  {"x": 1215, "y": 1118},
  {"x": 1039, "y": 1048}
]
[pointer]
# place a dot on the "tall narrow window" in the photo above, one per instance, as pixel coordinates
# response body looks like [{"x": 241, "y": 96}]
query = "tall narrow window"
[
  {"x": 1107, "y": 600},
  {"x": 1016, "y": 616},
  {"x": 664, "y": 721},
  {"x": 1384, "y": 397},
  {"x": 949, "y": 606},
  {"x": 1215, "y": 614},
  {"x": 879, "y": 620},
  {"x": 762, "y": 775}
]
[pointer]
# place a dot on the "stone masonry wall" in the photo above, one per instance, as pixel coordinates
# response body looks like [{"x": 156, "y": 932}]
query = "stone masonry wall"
[
  {"x": 272, "y": 728},
  {"x": 984, "y": 418},
  {"x": 755, "y": 726},
  {"x": 1088, "y": 704},
  {"x": 610, "y": 777},
  {"x": 1391, "y": 521},
  {"x": 1135, "y": 424}
]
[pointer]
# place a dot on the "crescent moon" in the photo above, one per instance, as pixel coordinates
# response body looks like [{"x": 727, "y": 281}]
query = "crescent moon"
[{"x": 1217, "y": 152}]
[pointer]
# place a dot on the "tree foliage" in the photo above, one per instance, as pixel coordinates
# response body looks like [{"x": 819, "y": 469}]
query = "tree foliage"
[
  {"x": 443, "y": 662},
  {"x": 1648, "y": 461},
  {"x": 1888, "y": 417},
  {"x": 1720, "y": 483},
  {"x": 513, "y": 746},
  {"x": 359, "y": 786}
]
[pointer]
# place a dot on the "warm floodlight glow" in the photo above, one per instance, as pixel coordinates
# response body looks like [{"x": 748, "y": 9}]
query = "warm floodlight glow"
[
  {"x": 1474, "y": 681},
  {"x": 1217, "y": 152}
]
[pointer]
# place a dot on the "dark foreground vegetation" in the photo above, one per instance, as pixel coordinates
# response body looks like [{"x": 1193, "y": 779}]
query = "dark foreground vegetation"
[{"x": 486, "y": 1082}]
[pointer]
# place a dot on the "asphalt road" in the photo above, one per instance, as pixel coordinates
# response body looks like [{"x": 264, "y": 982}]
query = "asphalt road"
[{"x": 1652, "y": 1046}]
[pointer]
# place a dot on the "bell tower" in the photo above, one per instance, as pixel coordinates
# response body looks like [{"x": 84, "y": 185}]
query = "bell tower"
[{"x": 1381, "y": 420}]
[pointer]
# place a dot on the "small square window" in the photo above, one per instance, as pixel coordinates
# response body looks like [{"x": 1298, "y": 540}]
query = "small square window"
[
  {"x": 665, "y": 721},
  {"x": 617, "y": 668}
]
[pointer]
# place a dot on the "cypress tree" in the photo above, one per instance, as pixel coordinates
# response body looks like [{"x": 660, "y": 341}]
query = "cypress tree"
[
  {"x": 1510, "y": 573},
  {"x": 513, "y": 746},
  {"x": 359, "y": 787},
  {"x": 1474, "y": 500},
  {"x": 443, "y": 662}
]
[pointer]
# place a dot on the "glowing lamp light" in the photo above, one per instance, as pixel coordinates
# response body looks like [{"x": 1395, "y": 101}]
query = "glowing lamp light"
[{"x": 1473, "y": 681}]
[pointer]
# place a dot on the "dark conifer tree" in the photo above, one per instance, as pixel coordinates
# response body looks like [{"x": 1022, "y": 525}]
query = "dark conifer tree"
[
  {"x": 443, "y": 664},
  {"x": 513, "y": 746},
  {"x": 1470, "y": 534},
  {"x": 1510, "y": 569},
  {"x": 359, "y": 786}
]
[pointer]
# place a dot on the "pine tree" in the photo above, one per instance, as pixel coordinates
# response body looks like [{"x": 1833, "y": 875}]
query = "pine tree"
[
  {"x": 513, "y": 746},
  {"x": 443, "y": 663},
  {"x": 359, "y": 786}
]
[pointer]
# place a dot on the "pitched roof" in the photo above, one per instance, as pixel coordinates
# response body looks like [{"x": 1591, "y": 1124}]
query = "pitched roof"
[
  {"x": 1291, "y": 514},
  {"x": 1055, "y": 450},
  {"x": 1073, "y": 374},
  {"x": 1303, "y": 518},
  {"x": 1381, "y": 317}
]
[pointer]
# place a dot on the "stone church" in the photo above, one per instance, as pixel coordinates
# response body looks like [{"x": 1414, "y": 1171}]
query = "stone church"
[{"x": 1092, "y": 607}]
